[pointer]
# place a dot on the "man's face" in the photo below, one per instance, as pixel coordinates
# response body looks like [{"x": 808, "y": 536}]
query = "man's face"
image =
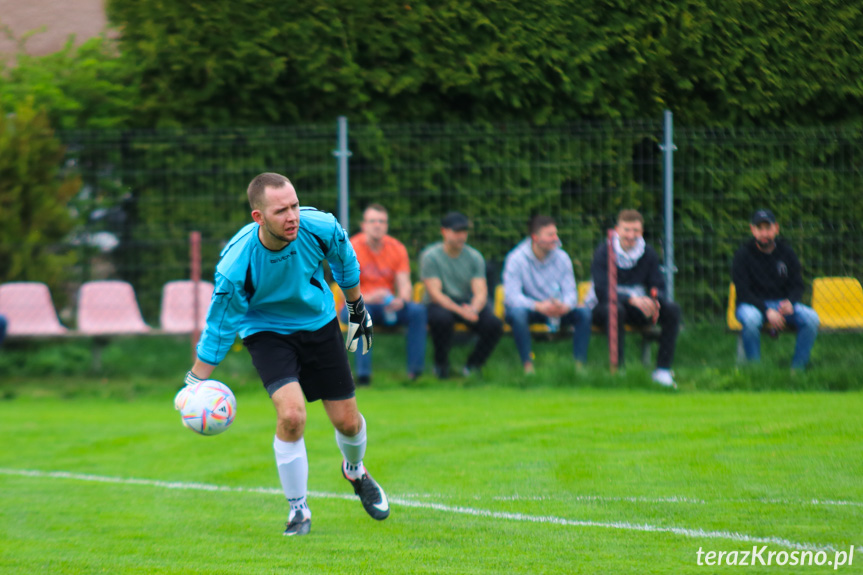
[
  {"x": 454, "y": 240},
  {"x": 280, "y": 216},
  {"x": 375, "y": 224},
  {"x": 545, "y": 239},
  {"x": 629, "y": 232},
  {"x": 765, "y": 234}
]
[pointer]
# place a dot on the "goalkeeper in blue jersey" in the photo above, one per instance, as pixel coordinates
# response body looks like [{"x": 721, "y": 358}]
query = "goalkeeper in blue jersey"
[{"x": 270, "y": 289}]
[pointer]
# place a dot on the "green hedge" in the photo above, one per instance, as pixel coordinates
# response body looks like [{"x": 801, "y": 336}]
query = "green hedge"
[
  {"x": 267, "y": 62},
  {"x": 87, "y": 86},
  {"x": 729, "y": 62}
]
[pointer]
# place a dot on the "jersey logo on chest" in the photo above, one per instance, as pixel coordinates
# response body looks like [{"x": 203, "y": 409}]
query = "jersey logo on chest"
[{"x": 284, "y": 257}]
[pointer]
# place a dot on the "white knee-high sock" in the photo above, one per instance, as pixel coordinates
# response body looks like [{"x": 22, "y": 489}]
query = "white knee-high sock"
[
  {"x": 353, "y": 449},
  {"x": 293, "y": 466}
]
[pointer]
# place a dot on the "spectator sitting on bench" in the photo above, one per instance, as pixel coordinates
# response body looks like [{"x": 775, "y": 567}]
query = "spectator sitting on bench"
[
  {"x": 638, "y": 275},
  {"x": 768, "y": 280},
  {"x": 457, "y": 291},
  {"x": 386, "y": 279},
  {"x": 539, "y": 286}
]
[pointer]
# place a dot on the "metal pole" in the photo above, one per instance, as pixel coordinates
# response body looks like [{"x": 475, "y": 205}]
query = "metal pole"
[
  {"x": 195, "y": 269},
  {"x": 342, "y": 154},
  {"x": 668, "y": 175},
  {"x": 613, "y": 325}
]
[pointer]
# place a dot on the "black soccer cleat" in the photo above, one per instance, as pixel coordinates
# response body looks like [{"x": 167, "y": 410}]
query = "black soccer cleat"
[
  {"x": 299, "y": 525},
  {"x": 371, "y": 495}
]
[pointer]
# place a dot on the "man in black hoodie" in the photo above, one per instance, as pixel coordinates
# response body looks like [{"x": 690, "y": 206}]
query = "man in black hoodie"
[
  {"x": 640, "y": 292},
  {"x": 766, "y": 274}
]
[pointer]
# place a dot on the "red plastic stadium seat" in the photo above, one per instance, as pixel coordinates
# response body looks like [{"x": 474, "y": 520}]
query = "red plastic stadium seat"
[
  {"x": 29, "y": 310},
  {"x": 109, "y": 307},
  {"x": 178, "y": 305}
]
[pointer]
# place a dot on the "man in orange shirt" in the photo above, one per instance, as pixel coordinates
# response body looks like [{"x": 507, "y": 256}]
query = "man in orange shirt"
[{"x": 386, "y": 279}]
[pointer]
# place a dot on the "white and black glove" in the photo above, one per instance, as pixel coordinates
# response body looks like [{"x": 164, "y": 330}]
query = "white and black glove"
[
  {"x": 360, "y": 329},
  {"x": 180, "y": 399}
]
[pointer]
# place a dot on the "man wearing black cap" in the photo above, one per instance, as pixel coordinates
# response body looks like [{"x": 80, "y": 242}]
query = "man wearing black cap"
[
  {"x": 456, "y": 291},
  {"x": 769, "y": 284}
]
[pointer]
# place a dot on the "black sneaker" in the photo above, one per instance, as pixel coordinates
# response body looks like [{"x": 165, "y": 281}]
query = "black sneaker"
[
  {"x": 299, "y": 525},
  {"x": 441, "y": 371},
  {"x": 371, "y": 495},
  {"x": 364, "y": 380}
]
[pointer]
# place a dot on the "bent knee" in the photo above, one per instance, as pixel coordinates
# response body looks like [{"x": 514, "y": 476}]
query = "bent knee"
[
  {"x": 291, "y": 419},
  {"x": 672, "y": 308},
  {"x": 749, "y": 316},
  {"x": 808, "y": 316},
  {"x": 517, "y": 315},
  {"x": 417, "y": 311}
]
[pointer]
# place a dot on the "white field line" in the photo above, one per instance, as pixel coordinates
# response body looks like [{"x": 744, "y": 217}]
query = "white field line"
[
  {"x": 621, "y": 525},
  {"x": 799, "y": 502},
  {"x": 671, "y": 499}
]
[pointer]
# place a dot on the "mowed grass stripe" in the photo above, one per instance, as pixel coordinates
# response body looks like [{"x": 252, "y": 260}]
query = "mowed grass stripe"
[{"x": 622, "y": 525}]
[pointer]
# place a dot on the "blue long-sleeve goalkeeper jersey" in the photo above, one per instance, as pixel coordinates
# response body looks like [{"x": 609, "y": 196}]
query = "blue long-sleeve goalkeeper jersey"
[{"x": 257, "y": 289}]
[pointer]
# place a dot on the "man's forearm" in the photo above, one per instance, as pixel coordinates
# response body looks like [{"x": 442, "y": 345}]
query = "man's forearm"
[
  {"x": 446, "y": 302},
  {"x": 404, "y": 288},
  {"x": 352, "y": 294},
  {"x": 202, "y": 369},
  {"x": 478, "y": 302}
]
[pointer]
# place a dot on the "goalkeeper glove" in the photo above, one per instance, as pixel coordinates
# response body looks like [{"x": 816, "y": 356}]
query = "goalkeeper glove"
[
  {"x": 360, "y": 329},
  {"x": 180, "y": 399}
]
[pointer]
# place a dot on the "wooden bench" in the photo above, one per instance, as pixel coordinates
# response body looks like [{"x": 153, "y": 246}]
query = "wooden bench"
[{"x": 649, "y": 334}]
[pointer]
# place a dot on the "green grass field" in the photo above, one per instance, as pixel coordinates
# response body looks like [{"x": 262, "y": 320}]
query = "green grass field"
[{"x": 551, "y": 474}]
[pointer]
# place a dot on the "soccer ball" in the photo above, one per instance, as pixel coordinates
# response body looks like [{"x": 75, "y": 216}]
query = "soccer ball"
[{"x": 207, "y": 407}]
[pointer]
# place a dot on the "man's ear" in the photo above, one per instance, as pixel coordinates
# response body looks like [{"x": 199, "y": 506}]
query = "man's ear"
[{"x": 258, "y": 216}]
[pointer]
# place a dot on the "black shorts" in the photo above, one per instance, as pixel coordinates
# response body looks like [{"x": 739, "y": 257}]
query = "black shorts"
[{"x": 316, "y": 359}]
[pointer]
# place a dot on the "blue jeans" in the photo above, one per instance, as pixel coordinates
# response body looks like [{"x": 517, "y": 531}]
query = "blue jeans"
[
  {"x": 2, "y": 329},
  {"x": 520, "y": 319},
  {"x": 804, "y": 319},
  {"x": 414, "y": 316}
]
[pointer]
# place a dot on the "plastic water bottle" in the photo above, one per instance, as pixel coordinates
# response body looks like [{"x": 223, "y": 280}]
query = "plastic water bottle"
[
  {"x": 554, "y": 322},
  {"x": 390, "y": 317}
]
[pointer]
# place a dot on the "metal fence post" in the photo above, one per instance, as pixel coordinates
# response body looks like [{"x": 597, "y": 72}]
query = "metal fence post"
[
  {"x": 668, "y": 148},
  {"x": 195, "y": 273},
  {"x": 342, "y": 154}
]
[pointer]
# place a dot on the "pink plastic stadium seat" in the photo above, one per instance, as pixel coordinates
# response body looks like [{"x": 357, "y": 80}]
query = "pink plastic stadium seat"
[
  {"x": 178, "y": 306},
  {"x": 109, "y": 307},
  {"x": 29, "y": 310}
]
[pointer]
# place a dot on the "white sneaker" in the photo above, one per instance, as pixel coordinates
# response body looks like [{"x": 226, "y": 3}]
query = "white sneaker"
[{"x": 664, "y": 377}]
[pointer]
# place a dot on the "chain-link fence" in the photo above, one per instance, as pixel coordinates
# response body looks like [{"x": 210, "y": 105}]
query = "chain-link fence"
[{"x": 144, "y": 192}]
